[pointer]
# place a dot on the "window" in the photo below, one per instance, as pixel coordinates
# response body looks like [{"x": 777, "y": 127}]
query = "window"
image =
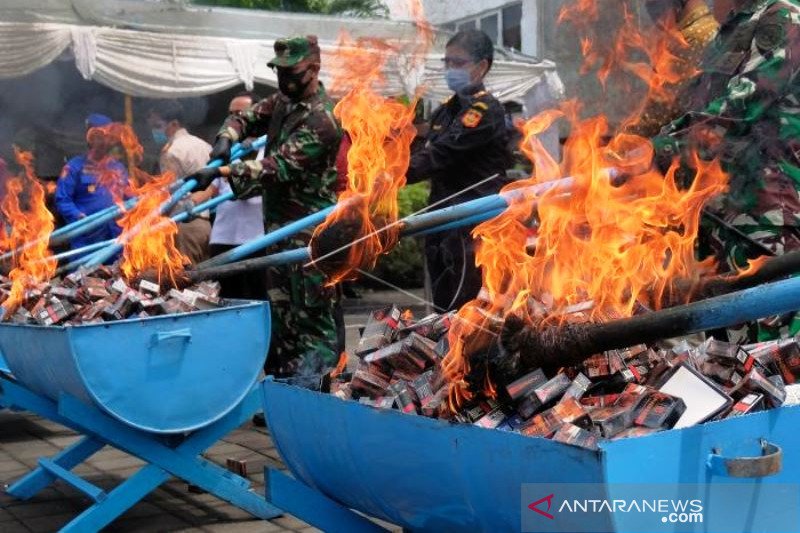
[
  {"x": 512, "y": 26},
  {"x": 503, "y": 26},
  {"x": 489, "y": 27},
  {"x": 468, "y": 25}
]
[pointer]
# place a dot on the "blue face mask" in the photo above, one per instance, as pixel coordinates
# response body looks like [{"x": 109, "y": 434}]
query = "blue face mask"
[
  {"x": 457, "y": 78},
  {"x": 159, "y": 137}
]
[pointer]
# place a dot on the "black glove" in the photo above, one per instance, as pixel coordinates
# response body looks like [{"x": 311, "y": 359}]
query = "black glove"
[
  {"x": 204, "y": 177},
  {"x": 221, "y": 150}
]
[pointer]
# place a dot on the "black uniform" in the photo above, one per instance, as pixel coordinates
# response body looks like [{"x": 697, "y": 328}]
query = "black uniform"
[{"x": 467, "y": 143}]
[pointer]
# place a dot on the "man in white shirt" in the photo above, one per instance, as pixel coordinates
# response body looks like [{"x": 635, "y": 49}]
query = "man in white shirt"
[
  {"x": 182, "y": 154},
  {"x": 236, "y": 222}
]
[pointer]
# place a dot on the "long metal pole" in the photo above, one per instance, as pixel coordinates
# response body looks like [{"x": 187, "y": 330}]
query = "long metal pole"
[{"x": 557, "y": 346}]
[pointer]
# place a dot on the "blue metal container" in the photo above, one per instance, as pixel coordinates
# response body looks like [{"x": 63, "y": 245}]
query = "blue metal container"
[
  {"x": 166, "y": 374},
  {"x": 429, "y": 475}
]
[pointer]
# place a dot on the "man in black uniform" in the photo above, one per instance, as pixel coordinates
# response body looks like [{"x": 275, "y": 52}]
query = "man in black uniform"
[{"x": 466, "y": 144}]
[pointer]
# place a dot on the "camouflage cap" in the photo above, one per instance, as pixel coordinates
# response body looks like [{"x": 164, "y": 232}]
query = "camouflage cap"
[{"x": 292, "y": 50}]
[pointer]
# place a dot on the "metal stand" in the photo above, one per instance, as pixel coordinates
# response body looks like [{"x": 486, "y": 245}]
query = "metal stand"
[
  {"x": 166, "y": 457},
  {"x": 313, "y": 507}
]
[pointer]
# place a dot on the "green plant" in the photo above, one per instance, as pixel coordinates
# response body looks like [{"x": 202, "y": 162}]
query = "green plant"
[{"x": 353, "y": 8}]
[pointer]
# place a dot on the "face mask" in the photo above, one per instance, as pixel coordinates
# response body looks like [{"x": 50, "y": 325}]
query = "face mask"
[
  {"x": 291, "y": 83},
  {"x": 159, "y": 137},
  {"x": 457, "y": 78}
]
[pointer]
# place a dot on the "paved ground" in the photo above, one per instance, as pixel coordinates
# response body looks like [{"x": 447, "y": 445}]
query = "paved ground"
[{"x": 25, "y": 437}]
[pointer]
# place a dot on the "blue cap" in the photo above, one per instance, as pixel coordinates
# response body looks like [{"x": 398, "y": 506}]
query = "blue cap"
[{"x": 95, "y": 120}]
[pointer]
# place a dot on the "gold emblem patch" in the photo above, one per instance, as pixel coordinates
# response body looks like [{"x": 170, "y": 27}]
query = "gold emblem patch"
[
  {"x": 91, "y": 188},
  {"x": 471, "y": 118}
]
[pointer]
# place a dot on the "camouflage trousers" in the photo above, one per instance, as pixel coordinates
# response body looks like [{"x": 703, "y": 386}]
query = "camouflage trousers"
[
  {"x": 307, "y": 323},
  {"x": 733, "y": 253}
]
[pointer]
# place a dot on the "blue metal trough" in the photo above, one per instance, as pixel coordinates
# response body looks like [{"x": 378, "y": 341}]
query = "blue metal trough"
[
  {"x": 429, "y": 475},
  {"x": 163, "y": 389},
  {"x": 165, "y": 374}
]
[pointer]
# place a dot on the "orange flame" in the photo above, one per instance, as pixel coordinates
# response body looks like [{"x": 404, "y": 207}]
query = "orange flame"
[
  {"x": 340, "y": 366},
  {"x": 31, "y": 223},
  {"x": 381, "y": 133},
  {"x": 148, "y": 236},
  {"x": 610, "y": 247}
]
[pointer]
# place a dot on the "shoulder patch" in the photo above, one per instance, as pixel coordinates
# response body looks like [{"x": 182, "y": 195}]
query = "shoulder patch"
[
  {"x": 471, "y": 118},
  {"x": 770, "y": 36}
]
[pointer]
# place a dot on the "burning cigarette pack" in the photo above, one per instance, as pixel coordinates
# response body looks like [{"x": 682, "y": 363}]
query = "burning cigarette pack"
[
  {"x": 93, "y": 295},
  {"x": 379, "y": 331},
  {"x": 622, "y": 393}
]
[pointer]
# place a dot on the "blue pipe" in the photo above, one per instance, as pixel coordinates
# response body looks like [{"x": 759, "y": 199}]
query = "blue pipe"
[
  {"x": 255, "y": 245},
  {"x": 104, "y": 255},
  {"x": 97, "y": 219},
  {"x": 468, "y": 221},
  {"x": 180, "y": 217}
]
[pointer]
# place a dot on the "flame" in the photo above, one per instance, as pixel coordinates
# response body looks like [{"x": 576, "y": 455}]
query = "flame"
[
  {"x": 31, "y": 223},
  {"x": 381, "y": 132},
  {"x": 612, "y": 246},
  {"x": 340, "y": 366},
  {"x": 148, "y": 236},
  {"x": 657, "y": 59}
]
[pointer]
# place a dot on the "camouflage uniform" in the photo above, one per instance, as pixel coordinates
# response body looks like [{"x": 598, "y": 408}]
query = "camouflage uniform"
[
  {"x": 296, "y": 178},
  {"x": 744, "y": 108}
]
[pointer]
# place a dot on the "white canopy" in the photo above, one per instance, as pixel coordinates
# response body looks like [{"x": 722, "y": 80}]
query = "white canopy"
[{"x": 158, "y": 49}]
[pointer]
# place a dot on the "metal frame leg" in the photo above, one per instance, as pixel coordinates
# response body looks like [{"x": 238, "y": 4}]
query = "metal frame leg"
[
  {"x": 313, "y": 507},
  {"x": 39, "y": 478},
  {"x": 182, "y": 461}
]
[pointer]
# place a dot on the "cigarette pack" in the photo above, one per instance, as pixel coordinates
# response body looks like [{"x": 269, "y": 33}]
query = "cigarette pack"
[
  {"x": 751, "y": 403},
  {"x": 635, "y": 431},
  {"x": 580, "y": 384},
  {"x": 576, "y": 436},
  {"x": 149, "y": 288},
  {"x": 660, "y": 411},
  {"x": 492, "y": 419},
  {"x": 404, "y": 397},
  {"x": 365, "y": 383},
  {"x": 542, "y": 425},
  {"x": 553, "y": 389},
  {"x": 526, "y": 384},
  {"x": 570, "y": 410},
  {"x": 597, "y": 366},
  {"x": 611, "y": 420},
  {"x": 379, "y": 331},
  {"x": 756, "y": 382},
  {"x": 703, "y": 398},
  {"x": 603, "y": 400}
]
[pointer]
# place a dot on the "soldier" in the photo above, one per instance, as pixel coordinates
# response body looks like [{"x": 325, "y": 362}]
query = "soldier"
[
  {"x": 744, "y": 109},
  {"x": 467, "y": 143},
  {"x": 296, "y": 177}
]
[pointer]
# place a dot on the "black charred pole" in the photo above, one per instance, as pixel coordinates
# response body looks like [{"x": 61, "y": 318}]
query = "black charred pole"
[{"x": 570, "y": 345}]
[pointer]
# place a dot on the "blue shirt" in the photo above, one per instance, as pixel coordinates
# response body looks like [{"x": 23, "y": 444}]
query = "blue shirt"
[{"x": 79, "y": 192}]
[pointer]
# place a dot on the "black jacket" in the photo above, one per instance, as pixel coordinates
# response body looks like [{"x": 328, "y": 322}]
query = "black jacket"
[{"x": 467, "y": 142}]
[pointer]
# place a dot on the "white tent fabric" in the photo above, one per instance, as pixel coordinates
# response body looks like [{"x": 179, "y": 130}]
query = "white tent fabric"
[{"x": 155, "y": 64}]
